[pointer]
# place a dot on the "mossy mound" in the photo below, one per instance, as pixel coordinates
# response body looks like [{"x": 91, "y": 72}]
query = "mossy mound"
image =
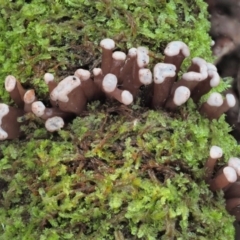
[{"x": 115, "y": 172}]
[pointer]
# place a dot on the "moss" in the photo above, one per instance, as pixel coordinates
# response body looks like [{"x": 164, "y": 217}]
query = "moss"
[
  {"x": 133, "y": 173},
  {"x": 117, "y": 172}
]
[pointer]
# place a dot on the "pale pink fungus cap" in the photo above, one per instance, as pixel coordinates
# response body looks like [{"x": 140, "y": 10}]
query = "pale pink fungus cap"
[
  {"x": 66, "y": 86},
  {"x": 10, "y": 83},
  {"x": 215, "y": 99},
  {"x": 54, "y": 124},
  {"x": 48, "y": 77},
  {"x": 216, "y": 152},
  {"x": 163, "y": 70},
  {"x": 175, "y": 47},
  {"x": 181, "y": 95}
]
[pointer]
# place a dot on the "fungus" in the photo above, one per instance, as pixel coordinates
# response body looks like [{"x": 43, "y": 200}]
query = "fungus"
[
  {"x": 29, "y": 98},
  {"x": 235, "y": 163},
  {"x": 9, "y": 126},
  {"x": 126, "y": 73},
  {"x": 179, "y": 97},
  {"x": 107, "y": 46},
  {"x": 233, "y": 191},
  {"x": 15, "y": 89},
  {"x": 210, "y": 108},
  {"x": 54, "y": 124},
  {"x": 109, "y": 85},
  {"x": 233, "y": 207},
  {"x": 163, "y": 77},
  {"x": 214, "y": 154},
  {"x": 223, "y": 179},
  {"x": 89, "y": 87},
  {"x": 118, "y": 59},
  {"x": 69, "y": 95},
  {"x": 39, "y": 109},
  {"x": 49, "y": 80},
  {"x": 175, "y": 52},
  {"x": 203, "y": 87},
  {"x": 140, "y": 74},
  {"x": 228, "y": 102}
]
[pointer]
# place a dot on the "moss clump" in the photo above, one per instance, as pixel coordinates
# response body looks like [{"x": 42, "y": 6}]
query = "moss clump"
[{"x": 117, "y": 172}]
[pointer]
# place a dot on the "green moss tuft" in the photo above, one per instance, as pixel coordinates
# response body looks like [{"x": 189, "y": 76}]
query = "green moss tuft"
[{"x": 139, "y": 175}]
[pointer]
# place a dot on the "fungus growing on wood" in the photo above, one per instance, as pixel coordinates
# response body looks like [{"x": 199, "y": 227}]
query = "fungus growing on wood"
[
  {"x": 177, "y": 98},
  {"x": 54, "y": 124},
  {"x": 69, "y": 95},
  {"x": 89, "y": 87},
  {"x": 212, "y": 80},
  {"x": 109, "y": 85},
  {"x": 49, "y": 80},
  {"x": 210, "y": 108},
  {"x": 214, "y": 154},
  {"x": 107, "y": 46},
  {"x": 164, "y": 75},
  {"x": 9, "y": 126},
  {"x": 15, "y": 89},
  {"x": 29, "y": 98},
  {"x": 224, "y": 179},
  {"x": 175, "y": 52},
  {"x": 39, "y": 109}
]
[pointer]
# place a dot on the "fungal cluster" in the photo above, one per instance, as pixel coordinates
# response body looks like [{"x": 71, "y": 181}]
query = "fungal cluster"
[
  {"x": 226, "y": 178},
  {"x": 120, "y": 77}
]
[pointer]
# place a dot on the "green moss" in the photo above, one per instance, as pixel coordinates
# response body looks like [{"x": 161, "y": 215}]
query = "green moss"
[
  {"x": 141, "y": 176},
  {"x": 117, "y": 173}
]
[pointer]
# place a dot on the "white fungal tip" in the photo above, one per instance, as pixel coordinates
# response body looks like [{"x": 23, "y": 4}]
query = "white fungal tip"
[
  {"x": 231, "y": 100},
  {"x": 181, "y": 95},
  {"x": 215, "y": 79},
  {"x": 109, "y": 82},
  {"x": 175, "y": 47},
  {"x": 145, "y": 76},
  {"x": 48, "y": 77},
  {"x": 3, "y": 134},
  {"x": 97, "y": 71},
  {"x": 4, "y": 110},
  {"x": 234, "y": 163},
  {"x": 82, "y": 74},
  {"x": 163, "y": 70},
  {"x": 107, "y": 43},
  {"x": 215, "y": 100},
  {"x": 132, "y": 52},
  {"x": 211, "y": 66},
  {"x": 10, "y": 83},
  {"x": 230, "y": 174},
  {"x": 54, "y": 124},
  {"x": 29, "y": 96},
  {"x": 216, "y": 152},
  {"x": 194, "y": 76},
  {"x": 127, "y": 97},
  {"x": 38, "y": 108},
  {"x": 119, "y": 56},
  {"x": 67, "y": 85},
  {"x": 142, "y": 57}
]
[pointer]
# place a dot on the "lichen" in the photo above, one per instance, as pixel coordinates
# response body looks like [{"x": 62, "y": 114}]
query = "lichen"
[{"x": 116, "y": 172}]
